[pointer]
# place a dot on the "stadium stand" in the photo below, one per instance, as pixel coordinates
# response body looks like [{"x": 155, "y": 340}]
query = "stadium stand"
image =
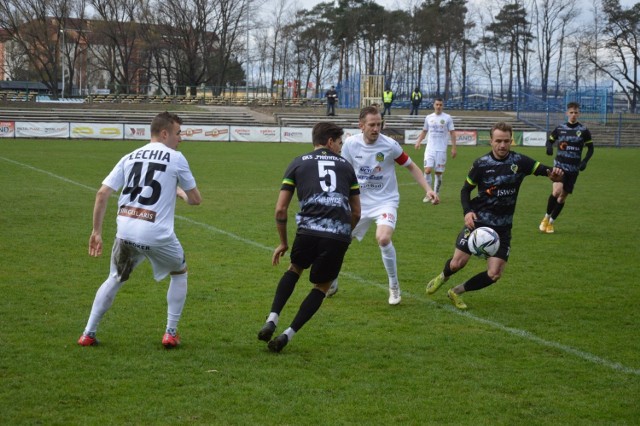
[
  {"x": 401, "y": 122},
  {"x": 124, "y": 116}
]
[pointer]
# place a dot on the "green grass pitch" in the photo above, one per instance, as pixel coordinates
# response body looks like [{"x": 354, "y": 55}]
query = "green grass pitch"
[{"x": 555, "y": 341}]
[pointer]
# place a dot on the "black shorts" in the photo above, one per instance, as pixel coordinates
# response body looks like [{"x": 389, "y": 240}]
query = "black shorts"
[
  {"x": 503, "y": 233},
  {"x": 569, "y": 182},
  {"x": 324, "y": 255}
]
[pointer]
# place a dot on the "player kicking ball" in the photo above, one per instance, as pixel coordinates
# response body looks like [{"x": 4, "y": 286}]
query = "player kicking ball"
[{"x": 497, "y": 176}]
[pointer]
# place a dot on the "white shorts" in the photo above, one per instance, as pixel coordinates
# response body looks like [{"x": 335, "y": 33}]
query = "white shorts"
[
  {"x": 126, "y": 255},
  {"x": 382, "y": 215},
  {"x": 435, "y": 160}
]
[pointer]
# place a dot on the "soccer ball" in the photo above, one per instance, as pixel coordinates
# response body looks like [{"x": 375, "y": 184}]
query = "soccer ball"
[{"x": 484, "y": 242}]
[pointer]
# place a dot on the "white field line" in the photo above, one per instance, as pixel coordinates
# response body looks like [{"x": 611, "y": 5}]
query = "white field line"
[{"x": 493, "y": 324}]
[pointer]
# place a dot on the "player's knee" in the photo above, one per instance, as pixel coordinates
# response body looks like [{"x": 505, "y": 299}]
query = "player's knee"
[
  {"x": 383, "y": 240},
  {"x": 494, "y": 274},
  {"x": 295, "y": 269},
  {"x": 457, "y": 263}
]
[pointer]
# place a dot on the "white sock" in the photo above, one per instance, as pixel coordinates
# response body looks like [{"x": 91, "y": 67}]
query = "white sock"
[
  {"x": 427, "y": 176},
  {"x": 438, "y": 183},
  {"x": 176, "y": 296},
  {"x": 390, "y": 264},
  {"x": 102, "y": 302},
  {"x": 290, "y": 333},
  {"x": 273, "y": 317}
]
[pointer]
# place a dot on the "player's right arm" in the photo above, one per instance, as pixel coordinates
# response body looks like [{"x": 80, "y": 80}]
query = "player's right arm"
[
  {"x": 356, "y": 210},
  {"x": 465, "y": 198},
  {"x": 282, "y": 207},
  {"x": 421, "y": 137},
  {"x": 99, "y": 210}
]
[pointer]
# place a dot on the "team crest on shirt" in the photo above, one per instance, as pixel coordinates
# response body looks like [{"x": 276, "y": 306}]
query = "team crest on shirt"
[
  {"x": 514, "y": 168},
  {"x": 379, "y": 157},
  {"x": 578, "y": 133},
  {"x": 442, "y": 121}
]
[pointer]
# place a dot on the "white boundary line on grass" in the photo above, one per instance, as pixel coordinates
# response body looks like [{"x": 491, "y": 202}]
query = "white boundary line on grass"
[{"x": 510, "y": 330}]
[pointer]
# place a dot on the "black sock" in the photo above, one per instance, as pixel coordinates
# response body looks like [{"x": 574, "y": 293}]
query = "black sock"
[
  {"x": 557, "y": 210},
  {"x": 447, "y": 269},
  {"x": 285, "y": 288},
  {"x": 551, "y": 204},
  {"x": 308, "y": 308},
  {"x": 478, "y": 282}
]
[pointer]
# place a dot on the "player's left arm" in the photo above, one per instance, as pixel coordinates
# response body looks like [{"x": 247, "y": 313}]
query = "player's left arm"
[
  {"x": 553, "y": 173},
  {"x": 587, "y": 157}
]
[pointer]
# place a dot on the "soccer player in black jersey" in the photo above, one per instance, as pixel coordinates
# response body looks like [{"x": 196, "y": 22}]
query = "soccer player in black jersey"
[
  {"x": 497, "y": 177},
  {"x": 329, "y": 197},
  {"x": 570, "y": 139}
]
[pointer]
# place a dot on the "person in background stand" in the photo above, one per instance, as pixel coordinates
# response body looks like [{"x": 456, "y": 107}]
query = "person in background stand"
[
  {"x": 416, "y": 100},
  {"x": 387, "y": 100},
  {"x": 332, "y": 99}
]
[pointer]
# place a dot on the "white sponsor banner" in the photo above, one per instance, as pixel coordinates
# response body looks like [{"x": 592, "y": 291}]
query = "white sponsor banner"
[
  {"x": 295, "y": 134},
  {"x": 37, "y": 129},
  {"x": 254, "y": 134},
  {"x": 466, "y": 137},
  {"x": 96, "y": 131},
  {"x": 350, "y": 132},
  {"x": 463, "y": 137},
  {"x": 205, "y": 133},
  {"x": 137, "y": 131},
  {"x": 534, "y": 138},
  {"x": 7, "y": 129},
  {"x": 411, "y": 136}
]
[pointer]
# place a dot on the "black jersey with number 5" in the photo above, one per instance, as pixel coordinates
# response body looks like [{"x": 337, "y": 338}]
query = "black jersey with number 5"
[{"x": 324, "y": 182}]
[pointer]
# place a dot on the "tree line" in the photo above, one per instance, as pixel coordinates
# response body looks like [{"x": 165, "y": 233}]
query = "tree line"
[{"x": 444, "y": 46}]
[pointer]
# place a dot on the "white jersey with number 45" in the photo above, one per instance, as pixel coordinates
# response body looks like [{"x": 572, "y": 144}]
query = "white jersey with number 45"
[{"x": 148, "y": 177}]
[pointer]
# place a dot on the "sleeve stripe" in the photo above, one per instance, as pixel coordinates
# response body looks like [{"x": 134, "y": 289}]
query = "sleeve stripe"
[
  {"x": 535, "y": 167},
  {"x": 288, "y": 182}
]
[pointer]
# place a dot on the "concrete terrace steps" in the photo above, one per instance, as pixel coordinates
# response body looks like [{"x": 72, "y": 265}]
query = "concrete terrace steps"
[
  {"x": 126, "y": 116},
  {"x": 403, "y": 122}
]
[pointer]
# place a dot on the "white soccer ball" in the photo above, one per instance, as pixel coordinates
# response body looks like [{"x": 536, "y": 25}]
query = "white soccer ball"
[{"x": 484, "y": 242}]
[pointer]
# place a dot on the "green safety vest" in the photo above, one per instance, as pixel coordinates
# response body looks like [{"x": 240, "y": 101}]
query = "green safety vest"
[{"x": 387, "y": 97}]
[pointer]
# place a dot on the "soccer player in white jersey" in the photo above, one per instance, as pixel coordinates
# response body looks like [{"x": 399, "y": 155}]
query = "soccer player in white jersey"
[
  {"x": 373, "y": 156},
  {"x": 151, "y": 178},
  {"x": 439, "y": 126}
]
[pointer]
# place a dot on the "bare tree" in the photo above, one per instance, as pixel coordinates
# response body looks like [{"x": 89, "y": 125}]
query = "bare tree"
[
  {"x": 118, "y": 43},
  {"x": 551, "y": 19},
  {"x": 35, "y": 26}
]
